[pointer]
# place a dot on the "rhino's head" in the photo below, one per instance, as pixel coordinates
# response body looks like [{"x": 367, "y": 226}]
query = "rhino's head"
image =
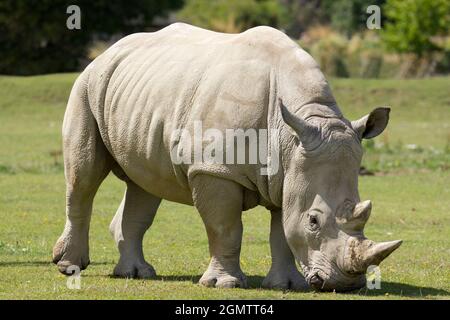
[{"x": 323, "y": 216}]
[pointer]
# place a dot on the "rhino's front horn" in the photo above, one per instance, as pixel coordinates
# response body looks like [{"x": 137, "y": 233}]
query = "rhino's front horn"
[
  {"x": 308, "y": 133},
  {"x": 362, "y": 254},
  {"x": 379, "y": 251}
]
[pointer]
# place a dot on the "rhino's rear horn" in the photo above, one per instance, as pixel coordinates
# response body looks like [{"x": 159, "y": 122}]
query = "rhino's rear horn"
[
  {"x": 355, "y": 220},
  {"x": 308, "y": 133},
  {"x": 360, "y": 215}
]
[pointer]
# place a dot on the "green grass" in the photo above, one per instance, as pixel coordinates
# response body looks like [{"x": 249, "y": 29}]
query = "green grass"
[{"x": 411, "y": 202}]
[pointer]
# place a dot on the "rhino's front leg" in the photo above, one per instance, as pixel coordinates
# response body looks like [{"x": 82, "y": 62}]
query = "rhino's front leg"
[
  {"x": 219, "y": 202},
  {"x": 283, "y": 273}
]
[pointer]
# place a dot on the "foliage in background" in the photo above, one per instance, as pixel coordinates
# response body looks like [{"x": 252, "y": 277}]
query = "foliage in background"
[
  {"x": 365, "y": 55},
  {"x": 414, "y": 24},
  {"x": 361, "y": 56},
  {"x": 233, "y": 16},
  {"x": 344, "y": 16},
  {"x": 350, "y": 16},
  {"x": 328, "y": 48},
  {"x": 303, "y": 15},
  {"x": 34, "y": 38},
  {"x": 417, "y": 28}
]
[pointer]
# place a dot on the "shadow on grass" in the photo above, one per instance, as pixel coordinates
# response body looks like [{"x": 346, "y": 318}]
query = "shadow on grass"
[
  {"x": 254, "y": 282},
  {"x": 25, "y": 263},
  {"x": 391, "y": 288},
  {"x": 39, "y": 263},
  {"x": 401, "y": 289}
]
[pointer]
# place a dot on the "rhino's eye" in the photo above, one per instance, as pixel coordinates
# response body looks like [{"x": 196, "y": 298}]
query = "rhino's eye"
[{"x": 313, "y": 222}]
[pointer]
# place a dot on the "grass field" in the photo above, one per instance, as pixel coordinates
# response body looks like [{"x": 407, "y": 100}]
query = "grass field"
[{"x": 410, "y": 191}]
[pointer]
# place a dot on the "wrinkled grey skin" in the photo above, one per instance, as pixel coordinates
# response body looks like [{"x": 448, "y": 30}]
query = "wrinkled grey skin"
[{"x": 126, "y": 104}]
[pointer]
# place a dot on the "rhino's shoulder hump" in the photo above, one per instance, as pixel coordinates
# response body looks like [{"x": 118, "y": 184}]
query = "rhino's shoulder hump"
[
  {"x": 267, "y": 39},
  {"x": 181, "y": 27},
  {"x": 266, "y": 33}
]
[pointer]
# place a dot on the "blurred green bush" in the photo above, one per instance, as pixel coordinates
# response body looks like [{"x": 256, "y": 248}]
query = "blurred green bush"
[
  {"x": 413, "y": 41},
  {"x": 34, "y": 37},
  {"x": 233, "y": 16},
  {"x": 419, "y": 30}
]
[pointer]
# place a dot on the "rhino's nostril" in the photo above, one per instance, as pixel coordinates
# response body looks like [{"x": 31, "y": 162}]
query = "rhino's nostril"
[{"x": 316, "y": 282}]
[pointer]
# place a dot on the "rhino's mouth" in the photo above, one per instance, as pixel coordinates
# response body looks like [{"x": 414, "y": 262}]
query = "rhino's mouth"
[
  {"x": 327, "y": 276},
  {"x": 314, "y": 276},
  {"x": 316, "y": 280}
]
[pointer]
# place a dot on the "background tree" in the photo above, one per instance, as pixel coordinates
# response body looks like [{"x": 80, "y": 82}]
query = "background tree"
[
  {"x": 303, "y": 15},
  {"x": 349, "y": 16},
  {"x": 414, "y": 24},
  {"x": 418, "y": 28},
  {"x": 34, "y": 38},
  {"x": 344, "y": 16}
]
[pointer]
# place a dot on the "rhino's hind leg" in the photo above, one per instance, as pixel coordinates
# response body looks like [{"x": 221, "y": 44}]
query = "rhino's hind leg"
[
  {"x": 283, "y": 273},
  {"x": 86, "y": 164},
  {"x": 219, "y": 203},
  {"x": 134, "y": 216}
]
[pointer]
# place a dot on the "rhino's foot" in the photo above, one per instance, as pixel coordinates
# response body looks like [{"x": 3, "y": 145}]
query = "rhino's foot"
[
  {"x": 285, "y": 279},
  {"x": 136, "y": 270},
  {"x": 223, "y": 280},
  {"x": 70, "y": 255}
]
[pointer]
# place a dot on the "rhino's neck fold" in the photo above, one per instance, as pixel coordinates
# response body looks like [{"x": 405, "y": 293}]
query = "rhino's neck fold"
[{"x": 328, "y": 110}]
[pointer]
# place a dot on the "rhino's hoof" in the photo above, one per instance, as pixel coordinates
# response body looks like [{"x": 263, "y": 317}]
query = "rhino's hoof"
[
  {"x": 69, "y": 259},
  {"x": 285, "y": 281},
  {"x": 140, "y": 271},
  {"x": 224, "y": 281},
  {"x": 69, "y": 268}
]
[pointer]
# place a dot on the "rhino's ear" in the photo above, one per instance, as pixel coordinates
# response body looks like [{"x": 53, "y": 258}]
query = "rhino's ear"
[{"x": 372, "y": 124}]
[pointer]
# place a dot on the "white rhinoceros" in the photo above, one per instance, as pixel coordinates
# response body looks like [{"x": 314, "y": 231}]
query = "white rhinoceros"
[{"x": 125, "y": 107}]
